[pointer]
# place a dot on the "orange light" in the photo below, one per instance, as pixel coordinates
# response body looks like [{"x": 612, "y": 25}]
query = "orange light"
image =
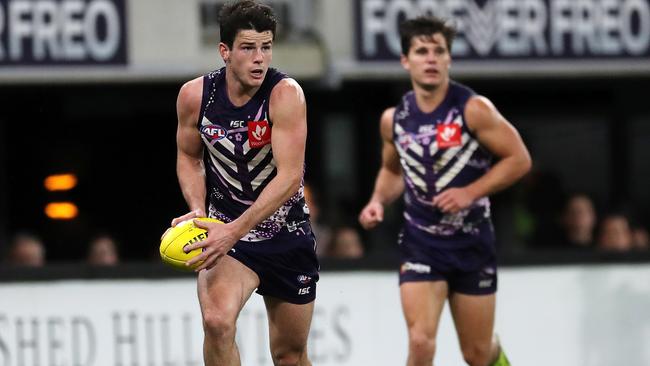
[
  {"x": 61, "y": 210},
  {"x": 60, "y": 182}
]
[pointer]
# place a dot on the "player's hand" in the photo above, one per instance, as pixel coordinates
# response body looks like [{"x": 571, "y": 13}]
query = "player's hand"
[
  {"x": 221, "y": 238},
  {"x": 453, "y": 200},
  {"x": 190, "y": 215},
  {"x": 371, "y": 215}
]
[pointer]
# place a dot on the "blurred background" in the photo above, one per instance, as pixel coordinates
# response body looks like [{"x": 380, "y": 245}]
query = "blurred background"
[
  {"x": 87, "y": 122},
  {"x": 88, "y": 88}
]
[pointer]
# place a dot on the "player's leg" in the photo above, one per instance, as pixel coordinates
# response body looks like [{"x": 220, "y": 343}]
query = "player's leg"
[
  {"x": 223, "y": 291},
  {"x": 474, "y": 319},
  {"x": 288, "y": 331},
  {"x": 422, "y": 303}
]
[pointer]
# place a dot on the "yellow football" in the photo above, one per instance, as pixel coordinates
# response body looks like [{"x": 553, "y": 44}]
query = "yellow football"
[{"x": 178, "y": 237}]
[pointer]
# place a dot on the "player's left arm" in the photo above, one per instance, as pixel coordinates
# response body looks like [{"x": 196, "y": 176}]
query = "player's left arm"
[
  {"x": 288, "y": 112},
  {"x": 499, "y": 137}
]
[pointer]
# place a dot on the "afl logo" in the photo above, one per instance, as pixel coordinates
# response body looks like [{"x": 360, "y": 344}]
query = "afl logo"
[
  {"x": 304, "y": 279},
  {"x": 214, "y": 132}
]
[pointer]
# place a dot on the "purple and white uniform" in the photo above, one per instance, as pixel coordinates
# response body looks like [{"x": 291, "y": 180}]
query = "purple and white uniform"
[
  {"x": 239, "y": 164},
  {"x": 438, "y": 151},
  {"x": 238, "y": 156}
]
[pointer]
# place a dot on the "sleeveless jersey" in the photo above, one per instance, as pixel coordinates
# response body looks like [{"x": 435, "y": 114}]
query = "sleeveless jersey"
[
  {"x": 238, "y": 157},
  {"x": 438, "y": 151}
]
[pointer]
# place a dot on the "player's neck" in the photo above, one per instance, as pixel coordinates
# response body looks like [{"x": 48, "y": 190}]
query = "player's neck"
[
  {"x": 429, "y": 99},
  {"x": 238, "y": 93}
]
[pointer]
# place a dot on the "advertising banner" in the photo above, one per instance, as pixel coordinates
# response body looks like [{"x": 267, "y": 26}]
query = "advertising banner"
[
  {"x": 62, "y": 32},
  {"x": 582, "y": 315},
  {"x": 514, "y": 29}
]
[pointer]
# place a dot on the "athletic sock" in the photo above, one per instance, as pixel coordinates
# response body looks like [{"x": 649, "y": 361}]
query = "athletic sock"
[{"x": 502, "y": 360}]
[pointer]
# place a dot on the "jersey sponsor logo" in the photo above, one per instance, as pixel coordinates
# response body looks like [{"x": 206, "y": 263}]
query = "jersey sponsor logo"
[
  {"x": 448, "y": 135},
  {"x": 236, "y": 124},
  {"x": 214, "y": 132},
  {"x": 415, "y": 267},
  {"x": 304, "y": 290},
  {"x": 259, "y": 133},
  {"x": 304, "y": 279}
]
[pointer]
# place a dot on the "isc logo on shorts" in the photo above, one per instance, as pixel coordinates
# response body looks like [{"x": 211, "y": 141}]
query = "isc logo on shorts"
[
  {"x": 484, "y": 283},
  {"x": 304, "y": 290}
]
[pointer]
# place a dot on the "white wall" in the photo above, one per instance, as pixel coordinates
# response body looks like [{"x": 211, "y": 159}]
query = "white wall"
[{"x": 596, "y": 315}]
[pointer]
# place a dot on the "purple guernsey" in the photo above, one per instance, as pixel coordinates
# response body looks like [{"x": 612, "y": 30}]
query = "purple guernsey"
[
  {"x": 238, "y": 156},
  {"x": 438, "y": 151}
]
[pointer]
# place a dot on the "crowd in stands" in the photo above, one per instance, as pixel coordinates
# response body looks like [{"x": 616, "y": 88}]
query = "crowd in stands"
[
  {"x": 341, "y": 240},
  {"x": 615, "y": 230},
  {"x": 577, "y": 221},
  {"x": 576, "y": 224},
  {"x": 28, "y": 250}
]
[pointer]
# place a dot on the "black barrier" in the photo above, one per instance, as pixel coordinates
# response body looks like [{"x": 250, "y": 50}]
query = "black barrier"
[{"x": 148, "y": 270}]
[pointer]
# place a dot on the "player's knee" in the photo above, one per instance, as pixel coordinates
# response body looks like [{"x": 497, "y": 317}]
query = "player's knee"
[
  {"x": 477, "y": 354},
  {"x": 218, "y": 325},
  {"x": 289, "y": 356},
  {"x": 422, "y": 345}
]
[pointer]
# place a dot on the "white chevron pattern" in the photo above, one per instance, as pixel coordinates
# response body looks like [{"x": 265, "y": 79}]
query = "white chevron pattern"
[
  {"x": 457, "y": 167},
  {"x": 218, "y": 164},
  {"x": 220, "y": 160},
  {"x": 413, "y": 146},
  {"x": 447, "y": 155},
  {"x": 411, "y": 162},
  {"x": 266, "y": 150}
]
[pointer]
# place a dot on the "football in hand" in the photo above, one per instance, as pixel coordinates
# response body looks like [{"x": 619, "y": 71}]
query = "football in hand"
[{"x": 178, "y": 237}]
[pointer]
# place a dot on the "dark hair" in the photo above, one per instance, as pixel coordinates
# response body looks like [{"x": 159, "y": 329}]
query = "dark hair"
[
  {"x": 425, "y": 26},
  {"x": 24, "y": 236},
  {"x": 244, "y": 15}
]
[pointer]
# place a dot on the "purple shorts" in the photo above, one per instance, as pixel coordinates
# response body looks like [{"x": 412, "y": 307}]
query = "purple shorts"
[
  {"x": 470, "y": 268},
  {"x": 286, "y": 264}
]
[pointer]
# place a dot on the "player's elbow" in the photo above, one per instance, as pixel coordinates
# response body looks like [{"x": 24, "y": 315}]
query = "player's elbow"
[
  {"x": 185, "y": 162},
  {"x": 291, "y": 179},
  {"x": 524, "y": 163},
  {"x": 294, "y": 183}
]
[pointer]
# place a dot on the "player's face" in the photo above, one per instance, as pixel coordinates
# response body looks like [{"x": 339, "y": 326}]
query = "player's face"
[
  {"x": 249, "y": 57},
  {"x": 428, "y": 61}
]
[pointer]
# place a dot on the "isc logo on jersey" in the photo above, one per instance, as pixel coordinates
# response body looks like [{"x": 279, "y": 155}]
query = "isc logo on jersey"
[{"x": 214, "y": 132}]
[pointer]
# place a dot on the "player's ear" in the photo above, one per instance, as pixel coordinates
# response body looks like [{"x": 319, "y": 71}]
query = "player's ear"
[
  {"x": 224, "y": 51},
  {"x": 404, "y": 61}
]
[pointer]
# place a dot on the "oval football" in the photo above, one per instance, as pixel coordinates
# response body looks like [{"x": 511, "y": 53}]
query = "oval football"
[{"x": 178, "y": 237}]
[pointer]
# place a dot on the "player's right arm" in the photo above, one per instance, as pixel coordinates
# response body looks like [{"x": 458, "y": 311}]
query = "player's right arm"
[
  {"x": 189, "y": 149},
  {"x": 389, "y": 184}
]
